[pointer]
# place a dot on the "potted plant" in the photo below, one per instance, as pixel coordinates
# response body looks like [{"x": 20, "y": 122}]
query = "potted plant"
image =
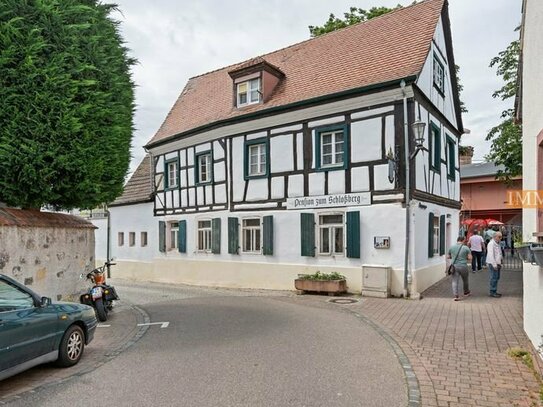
[{"x": 332, "y": 283}]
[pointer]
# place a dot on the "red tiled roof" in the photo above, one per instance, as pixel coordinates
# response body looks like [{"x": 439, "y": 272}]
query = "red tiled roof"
[
  {"x": 139, "y": 187},
  {"x": 380, "y": 50},
  {"x": 36, "y": 218}
]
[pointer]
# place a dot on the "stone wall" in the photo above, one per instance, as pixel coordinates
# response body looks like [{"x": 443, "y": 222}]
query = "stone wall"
[{"x": 48, "y": 256}]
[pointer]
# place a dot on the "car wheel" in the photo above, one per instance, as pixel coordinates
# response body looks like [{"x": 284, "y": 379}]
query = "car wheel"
[
  {"x": 100, "y": 309},
  {"x": 71, "y": 346}
]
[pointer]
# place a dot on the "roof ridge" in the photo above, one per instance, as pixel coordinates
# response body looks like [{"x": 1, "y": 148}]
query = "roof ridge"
[{"x": 318, "y": 37}]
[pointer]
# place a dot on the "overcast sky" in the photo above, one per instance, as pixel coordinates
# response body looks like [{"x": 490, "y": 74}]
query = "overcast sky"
[{"x": 175, "y": 40}]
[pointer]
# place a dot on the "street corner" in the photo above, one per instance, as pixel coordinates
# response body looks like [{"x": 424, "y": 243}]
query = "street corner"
[{"x": 126, "y": 324}]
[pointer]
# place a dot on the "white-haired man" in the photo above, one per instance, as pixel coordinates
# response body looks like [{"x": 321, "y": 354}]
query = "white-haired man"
[{"x": 494, "y": 262}]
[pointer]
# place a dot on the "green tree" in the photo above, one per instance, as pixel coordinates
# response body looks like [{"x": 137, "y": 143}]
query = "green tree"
[
  {"x": 354, "y": 16},
  {"x": 357, "y": 15},
  {"x": 66, "y": 104},
  {"x": 506, "y": 137}
]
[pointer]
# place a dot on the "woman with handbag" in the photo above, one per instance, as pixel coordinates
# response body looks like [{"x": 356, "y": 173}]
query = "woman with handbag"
[{"x": 458, "y": 268}]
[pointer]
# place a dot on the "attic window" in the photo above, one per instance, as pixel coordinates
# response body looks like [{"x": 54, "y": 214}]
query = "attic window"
[
  {"x": 439, "y": 75},
  {"x": 248, "y": 92}
]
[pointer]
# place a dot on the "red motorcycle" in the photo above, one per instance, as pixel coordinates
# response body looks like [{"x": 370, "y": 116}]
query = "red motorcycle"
[{"x": 101, "y": 295}]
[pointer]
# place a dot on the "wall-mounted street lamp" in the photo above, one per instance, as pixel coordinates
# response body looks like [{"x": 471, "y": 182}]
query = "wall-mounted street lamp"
[{"x": 418, "y": 130}]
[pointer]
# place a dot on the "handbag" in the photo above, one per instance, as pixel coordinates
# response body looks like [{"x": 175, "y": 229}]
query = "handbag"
[{"x": 451, "y": 269}]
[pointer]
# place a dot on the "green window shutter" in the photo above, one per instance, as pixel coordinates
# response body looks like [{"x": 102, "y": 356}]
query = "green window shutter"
[
  {"x": 182, "y": 236},
  {"x": 162, "y": 236},
  {"x": 353, "y": 235},
  {"x": 307, "y": 223},
  {"x": 216, "y": 236},
  {"x": 267, "y": 247},
  {"x": 442, "y": 235},
  {"x": 431, "y": 234},
  {"x": 233, "y": 236}
]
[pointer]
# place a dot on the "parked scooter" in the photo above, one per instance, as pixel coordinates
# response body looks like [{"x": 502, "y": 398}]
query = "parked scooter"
[{"x": 101, "y": 295}]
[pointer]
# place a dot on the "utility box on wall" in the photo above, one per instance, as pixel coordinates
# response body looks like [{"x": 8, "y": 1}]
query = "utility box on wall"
[{"x": 376, "y": 281}]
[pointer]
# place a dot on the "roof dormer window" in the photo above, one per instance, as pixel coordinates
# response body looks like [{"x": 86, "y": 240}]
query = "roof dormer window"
[{"x": 248, "y": 92}]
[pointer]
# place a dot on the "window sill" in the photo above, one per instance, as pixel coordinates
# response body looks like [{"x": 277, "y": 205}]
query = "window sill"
[{"x": 331, "y": 168}]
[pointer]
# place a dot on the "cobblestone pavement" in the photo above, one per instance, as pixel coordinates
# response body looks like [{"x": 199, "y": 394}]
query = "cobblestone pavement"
[
  {"x": 108, "y": 342},
  {"x": 458, "y": 350}
]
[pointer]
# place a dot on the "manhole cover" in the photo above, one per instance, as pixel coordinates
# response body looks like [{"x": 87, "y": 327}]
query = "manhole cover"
[{"x": 343, "y": 300}]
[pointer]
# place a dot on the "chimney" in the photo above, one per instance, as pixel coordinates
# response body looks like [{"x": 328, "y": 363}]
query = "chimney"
[{"x": 466, "y": 154}]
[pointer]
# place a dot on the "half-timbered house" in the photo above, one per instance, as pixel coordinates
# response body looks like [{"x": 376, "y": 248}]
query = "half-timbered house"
[{"x": 295, "y": 161}]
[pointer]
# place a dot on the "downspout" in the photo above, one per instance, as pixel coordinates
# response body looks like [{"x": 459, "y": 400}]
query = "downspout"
[
  {"x": 406, "y": 273},
  {"x": 108, "y": 242}
]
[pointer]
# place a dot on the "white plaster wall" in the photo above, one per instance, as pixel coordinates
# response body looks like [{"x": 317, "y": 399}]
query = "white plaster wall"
[
  {"x": 366, "y": 140},
  {"x": 360, "y": 179},
  {"x": 428, "y": 180},
  {"x": 282, "y": 154},
  {"x": 425, "y": 80},
  {"x": 532, "y": 120},
  {"x": 381, "y": 181},
  {"x": 257, "y": 189},
  {"x": 100, "y": 239},
  {"x": 238, "y": 182},
  {"x": 336, "y": 182},
  {"x": 133, "y": 218},
  {"x": 250, "y": 270},
  {"x": 429, "y": 270},
  {"x": 295, "y": 186}
]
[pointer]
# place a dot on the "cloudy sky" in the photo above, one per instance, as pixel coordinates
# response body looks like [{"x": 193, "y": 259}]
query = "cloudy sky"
[{"x": 174, "y": 40}]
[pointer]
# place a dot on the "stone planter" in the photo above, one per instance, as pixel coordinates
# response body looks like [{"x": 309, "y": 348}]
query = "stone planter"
[
  {"x": 525, "y": 253},
  {"x": 537, "y": 255},
  {"x": 332, "y": 287}
]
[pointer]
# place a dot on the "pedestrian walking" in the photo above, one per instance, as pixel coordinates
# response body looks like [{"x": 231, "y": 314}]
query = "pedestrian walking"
[
  {"x": 477, "y": 245},
  {"x": 494, "y": 261},
  {"x": 460, "y": 253}
]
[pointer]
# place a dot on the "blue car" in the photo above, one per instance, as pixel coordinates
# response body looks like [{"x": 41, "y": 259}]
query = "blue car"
[{"x": 33, "y": 330}]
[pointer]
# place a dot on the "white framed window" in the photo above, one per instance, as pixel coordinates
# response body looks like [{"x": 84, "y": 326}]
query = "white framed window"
[
  {"x": 251, "y": 235},
  {"x": 204, "y": 236},
  {"x": 331, "y": 237},
  {"x": 439, "y": 75},
  {"x": 120, "y": 239},
  {"x": 332, "y": 147},
  {"x": 131, "y": 238},
  {"x": 143, "y": 239},
  {"x": 257, "y": 159},
  {"x": 171, "y": 174},
  {"x": 174, "y": 235},
  {"x": 248, "y": 92},
  {"x": 436, "y": 235},
  {"x": 204, "y": 168}
]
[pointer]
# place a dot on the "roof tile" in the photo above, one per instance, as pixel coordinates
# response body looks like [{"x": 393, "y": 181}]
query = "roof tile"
[{"x": 383, "y": 49}]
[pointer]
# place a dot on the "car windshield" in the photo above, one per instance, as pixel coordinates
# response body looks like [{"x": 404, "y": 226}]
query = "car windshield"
[{"x": 12, "y": 298}]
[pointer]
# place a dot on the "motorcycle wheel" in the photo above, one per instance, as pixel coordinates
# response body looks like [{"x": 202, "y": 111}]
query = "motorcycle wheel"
[
  {"x": 71, "y": 347},
  {"x": 100, "y": 309}
]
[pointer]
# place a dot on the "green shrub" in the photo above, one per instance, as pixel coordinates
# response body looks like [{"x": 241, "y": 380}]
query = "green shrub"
[{"x": 323, "y": 276}]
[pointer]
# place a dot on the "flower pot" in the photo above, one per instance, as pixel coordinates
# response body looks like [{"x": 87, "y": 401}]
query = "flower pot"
[
  {"x": 537, "y": 255},
  {"x": 525, "y": 253},
  {"x": 331, "y": 287}
]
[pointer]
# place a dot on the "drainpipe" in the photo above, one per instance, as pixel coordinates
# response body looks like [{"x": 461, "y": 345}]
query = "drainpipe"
[
  {"x": 406, "y": 273},
  {"x": 108, "y": 244}
]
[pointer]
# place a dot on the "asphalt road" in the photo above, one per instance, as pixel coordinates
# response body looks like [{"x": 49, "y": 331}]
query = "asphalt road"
[{"x": 239, "y": 348}]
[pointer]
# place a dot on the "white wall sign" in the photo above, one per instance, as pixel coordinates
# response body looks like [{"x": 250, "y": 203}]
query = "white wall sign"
[{"x": 329, "y": 201}]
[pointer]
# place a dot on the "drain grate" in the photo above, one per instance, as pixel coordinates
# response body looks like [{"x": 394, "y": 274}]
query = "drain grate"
[{"x": 343, "y": 300}]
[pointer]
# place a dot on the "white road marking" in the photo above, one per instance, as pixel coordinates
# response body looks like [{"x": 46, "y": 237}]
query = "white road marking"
[
  {"x": 162, "y": 324},
  {"x": 103, "y": 326}
]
